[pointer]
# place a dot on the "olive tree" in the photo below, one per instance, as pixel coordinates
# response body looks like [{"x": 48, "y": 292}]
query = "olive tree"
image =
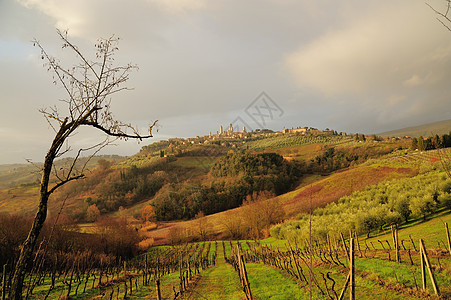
[{"x": 88, "y": 86}]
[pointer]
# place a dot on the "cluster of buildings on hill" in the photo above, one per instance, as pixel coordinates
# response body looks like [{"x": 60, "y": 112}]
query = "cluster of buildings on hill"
[
  {"x": 231, "y": 134},
  {"x": 233, "y": 138},
  {"x": 243, "y": 133},
  {"x": 295, "y": 130},
  {"x": 230, "y": 131}
]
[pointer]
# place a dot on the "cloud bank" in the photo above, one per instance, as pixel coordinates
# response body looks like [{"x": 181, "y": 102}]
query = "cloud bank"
[{"x": 356, "y": 66}]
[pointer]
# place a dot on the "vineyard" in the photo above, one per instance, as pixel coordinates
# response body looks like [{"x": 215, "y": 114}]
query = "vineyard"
[
  {"x": 324, "y": 268},
  {"x": 164, "y": 271},
  {"x": 430, "y": 156},
  {"x": 302, "y": 213},
  {"x": 283, "y": 141},
  {"x": 339, "y": 261},
  {"x": 391, "y": 266}
]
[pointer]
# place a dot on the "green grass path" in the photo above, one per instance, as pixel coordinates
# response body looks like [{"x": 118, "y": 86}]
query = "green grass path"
[
  {"x": 268, "y": 283},
  {"x": 222, "y": 282},
  {"x": 218, "y": 282}
]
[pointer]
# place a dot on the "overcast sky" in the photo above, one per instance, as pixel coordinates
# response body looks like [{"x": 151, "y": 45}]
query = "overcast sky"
[{"x": 351, "y": 65}]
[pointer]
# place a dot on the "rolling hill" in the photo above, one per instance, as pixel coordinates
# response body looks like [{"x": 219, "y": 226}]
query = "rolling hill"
[
  {"x": 440, "y": 127},
  {"x": 179, "y": 171},
  {"x": 325, "y": 190},
  {"x": 13, "y": 175},
  {"x": 139, "y": 195}
]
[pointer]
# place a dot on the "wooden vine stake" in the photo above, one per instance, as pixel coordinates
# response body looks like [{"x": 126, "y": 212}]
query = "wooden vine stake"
[
  {"x": 351, "y": 275},
  {"x": 146, "y": 270},
  {"x": 243, "y": 275},
  {"x": 343, "y": 241},
  {"x": 398, "y": 256},
  {"x": 394, "y": 232},
  {"x": 344, "y": 287},
  {"x": 425, "y": 263},
  {"x": 328, "y": 244},
  {"x": 125, "y": 279},
  {"x": 447, "y": 237},
  {"x": 246, "y": 280},
  {"x": 358, "y": 244},
  {"x": 4, "y": 283},
  {"x": 157, "y": 283},
  {"x": 351, "y": 270},
  {"x": 296, "y": 264}
]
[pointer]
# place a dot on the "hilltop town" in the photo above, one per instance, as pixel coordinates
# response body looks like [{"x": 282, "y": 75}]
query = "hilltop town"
[{"x": 234, "y": 135}]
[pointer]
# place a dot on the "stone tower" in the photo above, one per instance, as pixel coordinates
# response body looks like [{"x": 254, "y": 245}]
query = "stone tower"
[{"x": 230, "y": 131}]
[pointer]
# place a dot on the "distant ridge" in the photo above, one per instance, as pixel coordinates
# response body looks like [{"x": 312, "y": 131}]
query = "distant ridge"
[{"x": 429, "y": 129}]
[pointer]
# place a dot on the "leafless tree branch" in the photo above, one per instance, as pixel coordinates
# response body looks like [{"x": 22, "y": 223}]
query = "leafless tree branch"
[
  {"x": 88, "y": 87},
  {"x": 444, "y": 17}
]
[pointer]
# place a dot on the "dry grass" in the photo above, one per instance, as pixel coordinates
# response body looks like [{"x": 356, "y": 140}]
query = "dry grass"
[
  {"x": 321, "y": 193},
  {"x": 340, "y": 184},
  {"x": 22, "y": 200}
]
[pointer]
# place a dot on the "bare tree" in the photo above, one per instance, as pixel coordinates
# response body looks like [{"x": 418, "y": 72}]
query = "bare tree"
[
  {"x": 443, "y": 15},
  {"x": 202, "y": 226},
  {"x": 89, "y": 86}
]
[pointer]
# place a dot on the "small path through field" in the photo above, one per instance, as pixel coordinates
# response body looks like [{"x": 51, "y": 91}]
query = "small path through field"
[{"x": 218, "y": 282}]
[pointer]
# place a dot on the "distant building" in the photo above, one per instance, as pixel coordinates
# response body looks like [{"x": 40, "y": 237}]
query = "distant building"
[
  {"x": 230, "y": 131},
  {"x": 295, "y": 130},
  {"x": 229, "y": 134}
]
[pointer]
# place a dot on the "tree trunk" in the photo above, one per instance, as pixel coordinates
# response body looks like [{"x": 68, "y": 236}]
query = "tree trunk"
[{"x": 28, "y": 246}]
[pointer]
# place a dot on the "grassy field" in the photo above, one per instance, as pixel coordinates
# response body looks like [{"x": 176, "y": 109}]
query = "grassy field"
[
  {"x": 431, "y": 231},
  {"x": 19, "y": 199}
]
